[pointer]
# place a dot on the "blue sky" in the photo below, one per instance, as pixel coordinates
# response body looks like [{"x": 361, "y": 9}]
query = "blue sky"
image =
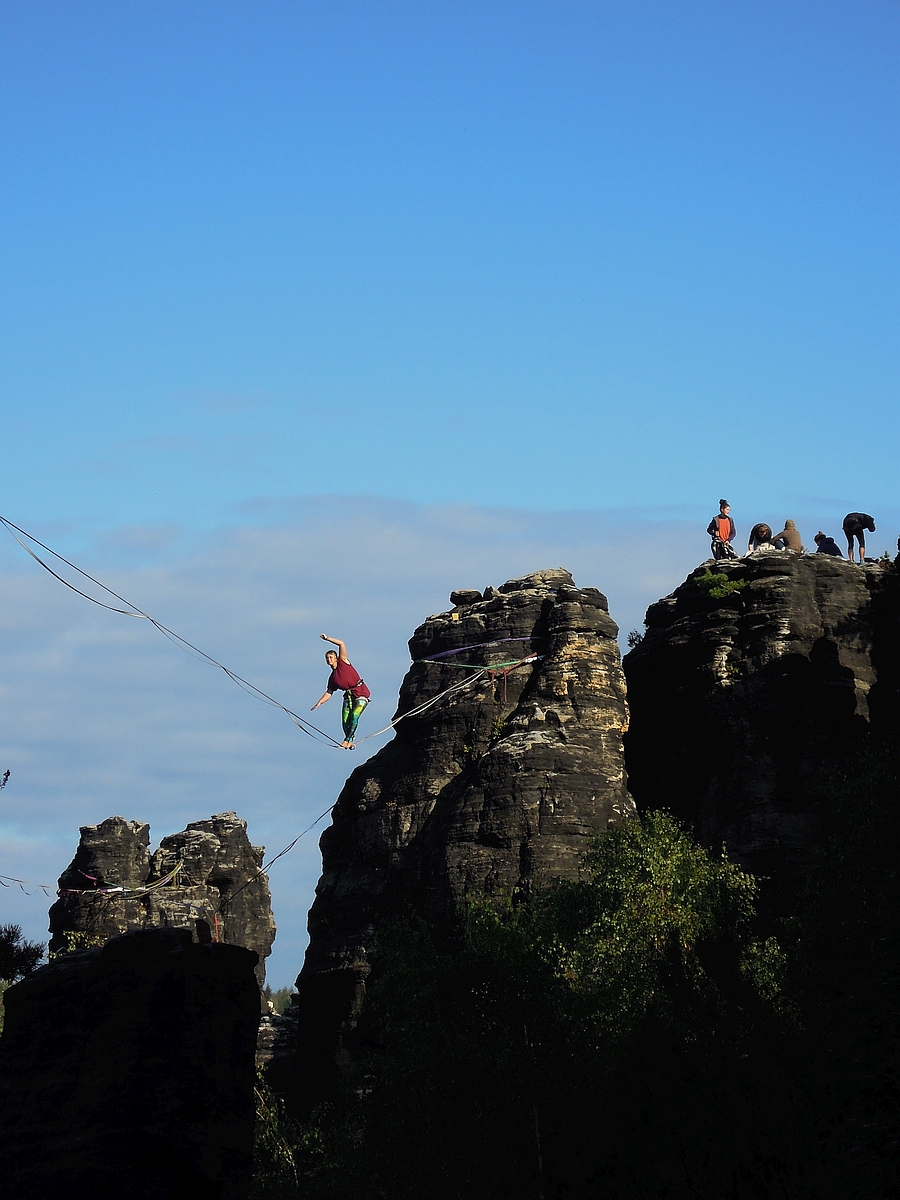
[{"x": 485, "y": 280}]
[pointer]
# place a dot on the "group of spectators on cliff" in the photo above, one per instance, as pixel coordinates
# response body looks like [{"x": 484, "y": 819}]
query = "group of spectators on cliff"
[{"x": 722, "y": 531}]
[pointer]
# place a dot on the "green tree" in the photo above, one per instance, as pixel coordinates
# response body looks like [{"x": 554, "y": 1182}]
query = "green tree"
[
  {"x": 18, "y": 957},
  {"x": 849, "y": 980},
  {"x": 518, "y": 1061}
]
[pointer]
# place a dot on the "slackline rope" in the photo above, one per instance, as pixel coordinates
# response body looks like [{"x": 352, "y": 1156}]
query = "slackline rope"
[
  {"x": 457, "y": 687},
  {"x": 8, "y": 880},
  {"x": 132, "y": 610},
  {"x": 307, "y": 727},
  {"x": 123, "y": 893},
  {"x": 137, "y": 893},
  {"x": 280, "y": 854},
  {"x": 514, "y": 662}
]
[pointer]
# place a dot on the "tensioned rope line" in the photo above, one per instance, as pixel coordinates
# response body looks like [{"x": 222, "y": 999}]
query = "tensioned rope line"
[
  {"x": 414, "y": 712},
  {"x": 307, "y": 727},
  {"x": 457, "y": 687},
  {"x": 132, "y": 610},
  {"x": 280, "y": 854}
]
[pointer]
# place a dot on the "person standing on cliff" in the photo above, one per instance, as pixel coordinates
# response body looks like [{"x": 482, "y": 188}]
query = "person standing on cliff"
[
  {"x": 722, "y": 531},
  {"x": 855, "y": 526},
  {"x": 344, "y": 678}
]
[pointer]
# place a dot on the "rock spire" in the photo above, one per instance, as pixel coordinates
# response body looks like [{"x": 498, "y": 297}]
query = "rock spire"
[
  {"x": 218, "y": 893},
  {"x": 495, "y": 786}
]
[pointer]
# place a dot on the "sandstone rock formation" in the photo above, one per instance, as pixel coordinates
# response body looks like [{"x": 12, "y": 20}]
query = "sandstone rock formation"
[
  {"x": 744, "y": 705},
  {"x": 129, "y": 1072},
  {"x": 497, "y": 785},
  {"x": 208, "y": 896}
]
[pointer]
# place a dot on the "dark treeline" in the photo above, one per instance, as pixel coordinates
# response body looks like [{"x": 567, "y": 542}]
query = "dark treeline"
[{"x": 632, "y": 1035}]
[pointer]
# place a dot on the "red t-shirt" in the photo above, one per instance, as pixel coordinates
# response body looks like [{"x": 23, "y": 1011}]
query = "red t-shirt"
[{"x": 345, "y": 678}]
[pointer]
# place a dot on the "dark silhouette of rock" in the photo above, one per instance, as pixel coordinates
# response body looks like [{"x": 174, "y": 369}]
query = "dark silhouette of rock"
[
  {"x": 128, "y": 1071},
  {"x": 465, "y": 596},
  {"x": 219, "y": 894},
  {"x": 497, "y": 785},
  {"x": 744, "y": 705}
]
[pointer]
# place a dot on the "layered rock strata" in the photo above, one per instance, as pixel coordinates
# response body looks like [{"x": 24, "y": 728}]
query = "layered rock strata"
[
  {"x": 747, "y": 698},
  {"x": 128, "y": 1071},
  {"x": 497, "y": 785},
  {"x": 218, "y": 893}
]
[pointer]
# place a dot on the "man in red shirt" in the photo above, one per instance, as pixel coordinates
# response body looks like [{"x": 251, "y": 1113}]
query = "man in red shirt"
[{"x": 344, "y": 678}]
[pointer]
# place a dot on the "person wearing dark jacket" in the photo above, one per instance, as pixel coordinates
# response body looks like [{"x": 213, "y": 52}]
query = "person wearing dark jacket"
[
  {"x": 855, "y": 526},
  {"x": 722, "y": 531},
  {"x": 827, "y": 545}
]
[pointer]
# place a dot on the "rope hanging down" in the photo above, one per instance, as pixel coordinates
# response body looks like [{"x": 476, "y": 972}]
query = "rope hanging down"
[
  {"x": 8, "y": 880},
  {"x": 132, "y": 610}
]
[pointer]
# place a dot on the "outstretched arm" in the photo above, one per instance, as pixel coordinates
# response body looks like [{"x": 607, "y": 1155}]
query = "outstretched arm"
[
  {"x": 342, "y": 649},
  {"x": 322, "y": 700}
]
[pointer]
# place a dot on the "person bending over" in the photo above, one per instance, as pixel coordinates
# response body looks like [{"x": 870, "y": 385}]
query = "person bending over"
[
  {"x": 760, "y": 535},
  {"x": 344, "y": 678},
  {"x": 855, "y": 526}
]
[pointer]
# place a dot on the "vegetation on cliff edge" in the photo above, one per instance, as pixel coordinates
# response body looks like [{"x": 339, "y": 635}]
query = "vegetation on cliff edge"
[{"x": 631, "y": 1035}]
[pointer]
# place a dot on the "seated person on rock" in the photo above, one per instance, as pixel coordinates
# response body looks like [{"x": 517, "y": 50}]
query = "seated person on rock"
[
  {"x": 760, "y": 535},
  {"x": 827, "y": 545},
  {"x": 789, "y": 538},
  {"x": 855, "y": 526}
]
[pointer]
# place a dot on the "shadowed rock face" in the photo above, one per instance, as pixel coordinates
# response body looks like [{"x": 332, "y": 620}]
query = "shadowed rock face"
[
  {"x": 495, "y": 786},
  {"x": 129, "y": 1072},
  {"x": 217, "y": 860},
  {"x": 742, "y": 707}
]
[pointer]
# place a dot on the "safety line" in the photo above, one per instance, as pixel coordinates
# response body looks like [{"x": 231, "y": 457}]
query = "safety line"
[
  {"x": 280, "y": 854},
  {"x": 513, "y": 662},
  {"x": 532, "y": 637},
  {"x": 265, "y": 867},
  {"x": 457, "y": 687},
  {"x": 305, "y": 726},
  {"x": 133, "y": 611},
  {"x": 413, "y": 712}
]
